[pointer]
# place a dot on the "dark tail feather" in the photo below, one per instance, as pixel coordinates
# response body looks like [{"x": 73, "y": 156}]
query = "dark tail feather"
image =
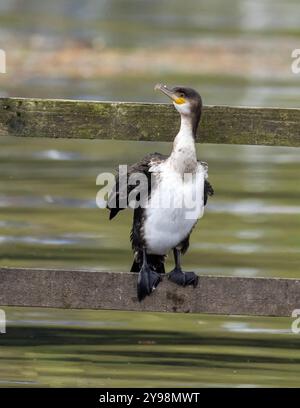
[
  {"x": 156, "y": 262},
  {"x": 135, "y": 266},
  {"x": 113, "y": 212}
]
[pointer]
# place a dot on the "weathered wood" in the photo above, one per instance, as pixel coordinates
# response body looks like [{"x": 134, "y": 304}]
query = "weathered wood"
[
  {"x": 145, "y": 121},
  {"x": 117, "y": 291}
]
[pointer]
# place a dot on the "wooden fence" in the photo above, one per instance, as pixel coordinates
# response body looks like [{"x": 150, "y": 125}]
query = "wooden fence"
[{"x": 152, "y": 122}]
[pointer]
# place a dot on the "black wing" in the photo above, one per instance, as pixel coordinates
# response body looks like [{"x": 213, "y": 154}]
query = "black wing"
[
  {"x": 118, "y": 194},
  {"x": 208, "y": 191}
]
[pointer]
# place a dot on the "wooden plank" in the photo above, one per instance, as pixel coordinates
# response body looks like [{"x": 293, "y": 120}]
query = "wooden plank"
[
  {"x": 145, "y": 121},
  {"x": 117, "y": 291}
]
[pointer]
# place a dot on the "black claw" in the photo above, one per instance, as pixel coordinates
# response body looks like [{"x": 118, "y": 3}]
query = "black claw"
[
  {"x": 147, "y": 281},
  {"x": 183, "y": 278}
]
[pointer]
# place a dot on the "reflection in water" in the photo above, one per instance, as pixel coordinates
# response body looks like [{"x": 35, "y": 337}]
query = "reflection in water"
[
  {"x": 241, "y": 327},
  {"x": 146, "y": 349},
  {"x": 253, "y": 207},
  {"x": 56, "y": 155}
]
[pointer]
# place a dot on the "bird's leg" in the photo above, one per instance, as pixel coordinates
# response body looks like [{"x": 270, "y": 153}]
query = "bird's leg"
[
  {"x": 180, "y": 277},
  {"x": 148, "y": 279}
]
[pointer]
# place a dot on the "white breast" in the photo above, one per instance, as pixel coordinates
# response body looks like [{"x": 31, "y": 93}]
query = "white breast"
[{"x": 174, "y": 208}]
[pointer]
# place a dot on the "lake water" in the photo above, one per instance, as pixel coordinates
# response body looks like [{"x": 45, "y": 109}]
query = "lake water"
[{"x": 48, "y": 215}]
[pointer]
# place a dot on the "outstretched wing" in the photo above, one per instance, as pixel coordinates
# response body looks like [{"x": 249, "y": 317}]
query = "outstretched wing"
[{"x": 119, "y": 194}]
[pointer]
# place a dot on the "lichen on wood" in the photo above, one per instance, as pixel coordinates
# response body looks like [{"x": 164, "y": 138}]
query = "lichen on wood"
[{"x": 145, "y": 121}]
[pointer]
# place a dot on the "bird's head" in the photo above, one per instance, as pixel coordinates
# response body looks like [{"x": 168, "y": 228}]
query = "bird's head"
[{"x": 186, "y": 100}]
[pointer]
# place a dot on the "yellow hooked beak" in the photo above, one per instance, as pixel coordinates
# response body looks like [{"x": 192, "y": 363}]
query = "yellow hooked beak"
[{"x": 175, "y": 98}]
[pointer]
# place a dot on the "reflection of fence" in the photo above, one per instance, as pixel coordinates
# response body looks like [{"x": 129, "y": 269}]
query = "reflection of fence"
[{"x": 153, "y": 122}]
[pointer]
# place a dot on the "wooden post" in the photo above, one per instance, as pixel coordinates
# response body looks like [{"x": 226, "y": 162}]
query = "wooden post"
[
  {"x": 145, "y": 121},
  {"x": 117, "y": 291}
]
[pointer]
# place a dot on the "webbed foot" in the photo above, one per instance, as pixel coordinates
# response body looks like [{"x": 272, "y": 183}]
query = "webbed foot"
[
  {"x": 147, "y": 281},
  {"x": 183, "y": 278}
]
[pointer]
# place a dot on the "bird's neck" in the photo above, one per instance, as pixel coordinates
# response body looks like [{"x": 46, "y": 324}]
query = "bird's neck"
[{"x": 183, "y": 156}]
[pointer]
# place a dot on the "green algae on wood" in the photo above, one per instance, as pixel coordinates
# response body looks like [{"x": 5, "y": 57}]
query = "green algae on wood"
[{"x": 145, "y": 121}]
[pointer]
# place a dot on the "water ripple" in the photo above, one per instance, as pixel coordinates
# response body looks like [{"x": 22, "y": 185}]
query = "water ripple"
[{"x": 251, "y": 207}]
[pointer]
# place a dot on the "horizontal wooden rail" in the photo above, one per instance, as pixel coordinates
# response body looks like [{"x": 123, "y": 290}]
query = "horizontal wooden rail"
[
  {"x": 145, "y": 121},
  {"x": 117, "y": 291}
]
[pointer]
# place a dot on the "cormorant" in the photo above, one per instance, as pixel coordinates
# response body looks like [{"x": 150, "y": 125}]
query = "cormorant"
[{"x": 157, "y": 229}]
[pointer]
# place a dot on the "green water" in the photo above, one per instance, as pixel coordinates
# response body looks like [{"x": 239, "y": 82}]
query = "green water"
[
  {"x": 48, "y": 216},
  {"x": 260, "y": 34},
  {"x": 105, "y": 349}
]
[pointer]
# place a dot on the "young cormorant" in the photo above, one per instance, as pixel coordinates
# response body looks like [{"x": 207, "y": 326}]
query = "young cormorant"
[{"x": 157, "y": 229}]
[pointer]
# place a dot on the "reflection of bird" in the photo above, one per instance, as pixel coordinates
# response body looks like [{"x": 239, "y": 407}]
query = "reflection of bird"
[{"x": 164, "y": 220}]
